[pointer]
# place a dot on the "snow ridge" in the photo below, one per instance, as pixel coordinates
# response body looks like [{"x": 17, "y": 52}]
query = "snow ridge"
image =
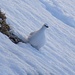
[{"x": 57, "y": 56}]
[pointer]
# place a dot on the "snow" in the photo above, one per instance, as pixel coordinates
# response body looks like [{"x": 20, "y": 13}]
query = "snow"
[{"x": 57, "y": 57}]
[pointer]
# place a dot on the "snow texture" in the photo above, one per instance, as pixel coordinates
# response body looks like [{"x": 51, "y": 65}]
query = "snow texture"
[{"x": 57, "y": 56}]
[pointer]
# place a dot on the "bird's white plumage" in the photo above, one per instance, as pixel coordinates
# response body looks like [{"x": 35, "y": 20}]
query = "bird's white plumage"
[{"x": 37, "y": 38}]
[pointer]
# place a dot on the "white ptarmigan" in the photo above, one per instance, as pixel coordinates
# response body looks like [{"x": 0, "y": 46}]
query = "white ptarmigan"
[{"x": 37, "y": 38}]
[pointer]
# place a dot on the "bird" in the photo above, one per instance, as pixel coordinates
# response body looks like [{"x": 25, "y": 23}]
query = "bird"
[{"x": 37, "y": 38}]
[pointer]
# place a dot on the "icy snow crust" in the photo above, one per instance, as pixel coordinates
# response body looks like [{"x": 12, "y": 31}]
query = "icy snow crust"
[{"x": 57, "y": 57}]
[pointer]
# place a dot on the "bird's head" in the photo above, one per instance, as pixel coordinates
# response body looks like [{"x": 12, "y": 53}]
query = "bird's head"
[{"x": 46, "y": 25}]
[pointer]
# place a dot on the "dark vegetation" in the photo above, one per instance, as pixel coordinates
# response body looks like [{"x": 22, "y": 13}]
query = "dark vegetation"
[{"x": 5, "y": 29}]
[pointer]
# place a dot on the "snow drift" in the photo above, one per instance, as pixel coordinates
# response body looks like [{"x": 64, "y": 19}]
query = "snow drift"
[{"x": 57, "y": 57}]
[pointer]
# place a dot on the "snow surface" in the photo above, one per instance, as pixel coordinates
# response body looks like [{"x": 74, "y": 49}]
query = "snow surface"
[{"x": 57, "y": 57}]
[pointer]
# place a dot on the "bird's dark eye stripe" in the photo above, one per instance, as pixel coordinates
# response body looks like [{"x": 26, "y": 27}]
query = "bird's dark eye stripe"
[{"x": 46, "y": 26}]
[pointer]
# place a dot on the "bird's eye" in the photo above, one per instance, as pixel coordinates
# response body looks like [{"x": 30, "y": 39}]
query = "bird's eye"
[{"x": 46, "y": 26}]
